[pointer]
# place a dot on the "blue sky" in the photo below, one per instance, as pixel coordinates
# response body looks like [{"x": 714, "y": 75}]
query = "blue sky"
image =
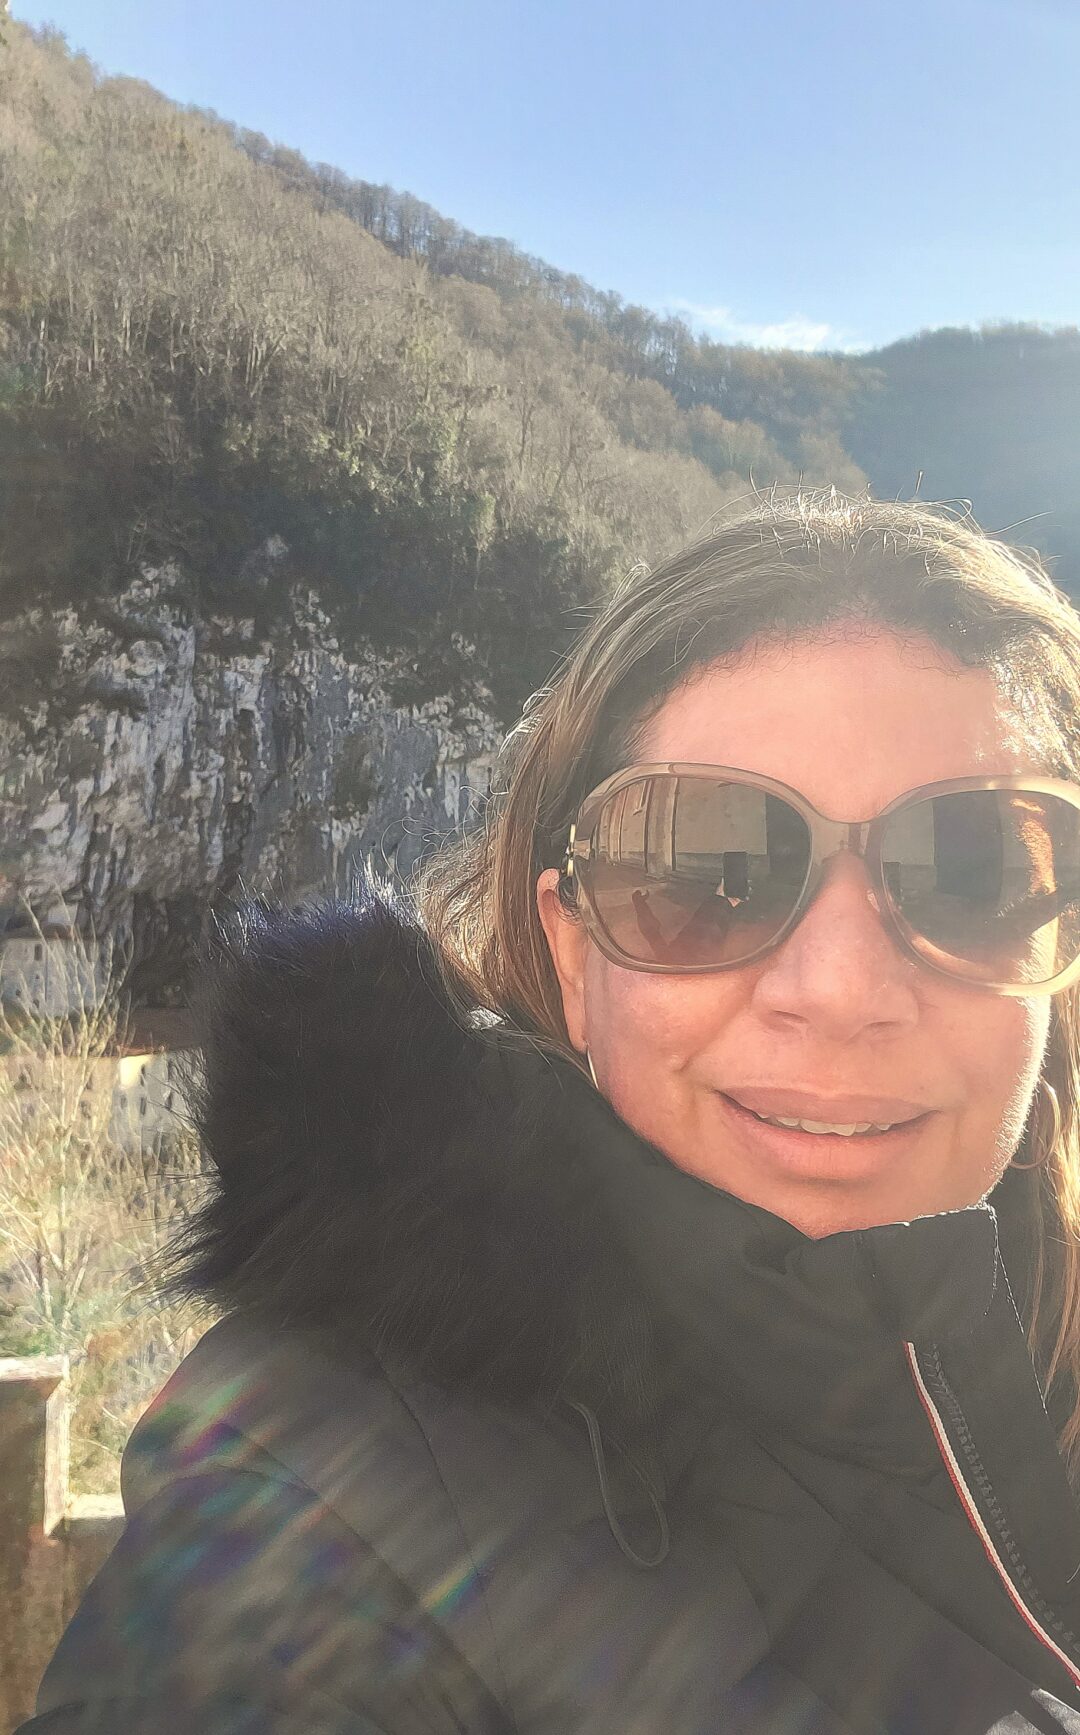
[{"x": 824, "y": 174}]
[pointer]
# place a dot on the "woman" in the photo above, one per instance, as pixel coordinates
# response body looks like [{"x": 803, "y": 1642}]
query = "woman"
[{"x": 652, "y": 1279}]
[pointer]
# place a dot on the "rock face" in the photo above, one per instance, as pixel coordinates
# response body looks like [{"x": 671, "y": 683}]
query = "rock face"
[{"x": 175, "y": 763}]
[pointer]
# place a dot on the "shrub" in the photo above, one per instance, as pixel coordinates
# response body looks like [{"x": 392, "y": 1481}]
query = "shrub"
[{"x": 85, "y": 1216}]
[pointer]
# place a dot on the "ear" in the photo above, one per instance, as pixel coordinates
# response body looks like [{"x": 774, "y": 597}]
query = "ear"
[{"x": 568, "y": 944}]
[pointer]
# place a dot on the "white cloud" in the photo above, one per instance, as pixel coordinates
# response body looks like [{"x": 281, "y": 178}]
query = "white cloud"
[{"x": 798, "y": 332}]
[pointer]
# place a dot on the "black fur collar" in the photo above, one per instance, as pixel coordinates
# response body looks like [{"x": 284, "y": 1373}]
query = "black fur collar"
[{"x": 394, "y": 1175}]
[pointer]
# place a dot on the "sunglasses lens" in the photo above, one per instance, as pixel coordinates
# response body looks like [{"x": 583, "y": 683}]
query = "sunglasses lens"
[
  {"x": 698, "y": 873},
  {"x": 986, "y": 882},
  {"x": 691, "y": 872}
]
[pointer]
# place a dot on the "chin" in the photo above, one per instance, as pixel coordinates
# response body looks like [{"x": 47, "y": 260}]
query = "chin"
[{"x": 817, "y": 1220}]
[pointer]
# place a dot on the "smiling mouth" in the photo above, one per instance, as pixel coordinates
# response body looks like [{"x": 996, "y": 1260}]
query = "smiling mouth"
[{"x": 810, "y": 1129}]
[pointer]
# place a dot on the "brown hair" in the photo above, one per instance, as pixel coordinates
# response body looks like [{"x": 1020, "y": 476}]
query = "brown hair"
[{"x": 787, "y": 563}]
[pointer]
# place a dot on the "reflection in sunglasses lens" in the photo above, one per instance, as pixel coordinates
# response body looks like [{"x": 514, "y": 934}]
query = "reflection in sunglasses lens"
[
  {"x": 987, "y": 882},
  {"x": 687, "y": 871}
]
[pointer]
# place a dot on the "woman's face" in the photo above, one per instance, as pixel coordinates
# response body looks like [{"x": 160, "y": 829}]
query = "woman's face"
[{"x": 836, "y": 1011}]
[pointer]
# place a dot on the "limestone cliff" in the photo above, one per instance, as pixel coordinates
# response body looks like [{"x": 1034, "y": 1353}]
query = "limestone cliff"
[{"x": 168, "y": 763}]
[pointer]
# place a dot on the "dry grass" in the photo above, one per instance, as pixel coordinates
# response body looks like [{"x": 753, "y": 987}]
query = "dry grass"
[{"x": 85, "y": 1218}]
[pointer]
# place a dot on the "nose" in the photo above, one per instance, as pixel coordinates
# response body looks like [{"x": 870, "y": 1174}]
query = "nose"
[{"x": 840, "y": 972}]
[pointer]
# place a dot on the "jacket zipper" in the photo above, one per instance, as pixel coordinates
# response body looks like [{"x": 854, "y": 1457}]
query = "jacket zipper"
[{"x": 942, "y": 1407}]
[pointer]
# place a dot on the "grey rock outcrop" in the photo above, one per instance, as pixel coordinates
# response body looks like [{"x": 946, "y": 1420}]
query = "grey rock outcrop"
[{"x": 173, "y": 763}]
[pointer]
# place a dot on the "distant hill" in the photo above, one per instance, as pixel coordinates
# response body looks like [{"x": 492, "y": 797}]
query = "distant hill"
[{"x": 992, "y": 416}]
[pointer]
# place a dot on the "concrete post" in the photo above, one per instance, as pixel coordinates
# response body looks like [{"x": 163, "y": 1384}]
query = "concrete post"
[{"x": 33, "y": 1503}]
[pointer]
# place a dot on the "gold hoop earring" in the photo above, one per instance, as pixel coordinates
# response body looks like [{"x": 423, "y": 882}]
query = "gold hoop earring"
[
  {"x": 1048, "y": 1145},
  {"x": 592, "y": 1069}
]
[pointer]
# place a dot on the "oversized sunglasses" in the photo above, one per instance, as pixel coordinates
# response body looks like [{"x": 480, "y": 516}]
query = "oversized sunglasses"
[{"x": 694, "y": 868}]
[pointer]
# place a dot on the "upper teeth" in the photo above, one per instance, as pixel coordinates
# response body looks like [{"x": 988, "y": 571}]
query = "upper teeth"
[{"x": 847, "y": 1128}]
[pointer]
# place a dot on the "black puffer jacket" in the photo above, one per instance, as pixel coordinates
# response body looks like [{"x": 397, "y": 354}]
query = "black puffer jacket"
[{"x": 515, "y": 1429}]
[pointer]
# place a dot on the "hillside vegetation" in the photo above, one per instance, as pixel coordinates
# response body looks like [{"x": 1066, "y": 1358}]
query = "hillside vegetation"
[
  {"x": 206, "y": 342},
  {"x": 991, "y": 416},
  {"x": 200, "y": 348}
]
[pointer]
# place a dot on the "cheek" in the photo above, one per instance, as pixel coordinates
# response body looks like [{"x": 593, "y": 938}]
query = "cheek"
[
  {"x": 1006, "y": 1050},
  {"x": 644, "y": 1032}
]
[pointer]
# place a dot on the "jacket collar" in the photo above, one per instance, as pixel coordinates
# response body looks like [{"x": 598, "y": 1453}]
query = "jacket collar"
[{"x": 804, "y": 1339}]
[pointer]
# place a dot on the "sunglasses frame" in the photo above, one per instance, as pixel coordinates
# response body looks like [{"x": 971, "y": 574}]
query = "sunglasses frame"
[{"x": 828, "y": 837}]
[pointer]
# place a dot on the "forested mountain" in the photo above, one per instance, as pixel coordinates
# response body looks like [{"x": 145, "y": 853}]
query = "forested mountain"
[
  {"x": 991, "y": 415},
  {"x": 207, "y": 342},
  {"x": 197, "y": 353},
  {"x": 800, "y": 401}
]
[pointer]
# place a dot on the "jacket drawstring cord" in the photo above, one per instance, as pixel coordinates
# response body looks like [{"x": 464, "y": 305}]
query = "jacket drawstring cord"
[{"x": 599, "y": 1459}]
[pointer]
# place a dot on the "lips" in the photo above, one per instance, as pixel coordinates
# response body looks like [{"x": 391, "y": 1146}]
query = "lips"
[
  {"x": 833, "y": 1110},
  {"x": 816, "y": 1157}
]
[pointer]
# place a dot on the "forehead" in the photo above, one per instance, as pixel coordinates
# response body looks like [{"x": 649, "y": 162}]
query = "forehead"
[{"x": 850, "y": 720}]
